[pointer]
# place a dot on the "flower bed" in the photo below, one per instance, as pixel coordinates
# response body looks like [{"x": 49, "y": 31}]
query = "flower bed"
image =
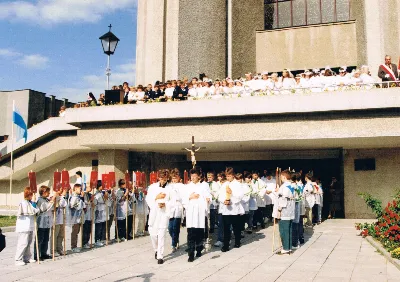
[{"x": 386, "y": 229}]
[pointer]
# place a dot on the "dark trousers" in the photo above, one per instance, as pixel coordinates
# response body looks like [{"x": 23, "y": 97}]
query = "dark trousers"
[
  {"x": 174, "y": 230},
  {"x": 130, "y": 219},
  {"x": 100, "y": 231},
  {"x": 43, "y": 241},
  {"x": 121, "y": 228},
  {"x": 86, "y": 232},
  {"x": 206, "y": 228},
  {"x": 301, "y": 229},
  {"x": 285, "y": 230},
  {"x": 243, "y": 219},
  {"x": 213, "y": 219},
  {"x": 233, "y": 220},
  {"x": 110, "y": 222},
  {"x": 259, "y": 216},
  {"x": 195, "y": 240},
  {"x": 268, "y": 211},
  {"x": 295, "y": 234}
]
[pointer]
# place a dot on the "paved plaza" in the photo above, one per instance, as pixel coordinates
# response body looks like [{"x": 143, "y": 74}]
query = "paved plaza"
[{"x": 332, "y": 252}]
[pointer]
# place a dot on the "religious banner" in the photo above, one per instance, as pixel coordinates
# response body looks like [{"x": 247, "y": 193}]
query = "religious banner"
[
  {"x": 138, "y": 177},
  {"x": 128, "y": 180},
  {"x": 94, "y": 176},
  {"x": 185, "y": 177},
  {"x": 105, "y": 182},
  {"x": 144, "y": 180},
  {"x": 153, "y": 177},
  {"x": 112, "y": 179},
  {"x": 57, "y": 187},
  {"x": 32, "y": 181},
  {"x": 65, "y": 180}
]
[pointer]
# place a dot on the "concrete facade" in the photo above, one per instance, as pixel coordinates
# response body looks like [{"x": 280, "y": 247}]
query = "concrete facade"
[
  {"x": 225, "y": 42},
  {"x": 339, "y": 126}
]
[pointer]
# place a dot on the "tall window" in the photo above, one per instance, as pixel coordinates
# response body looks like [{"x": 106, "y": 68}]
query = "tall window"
[{"x": 288, "y": 13}]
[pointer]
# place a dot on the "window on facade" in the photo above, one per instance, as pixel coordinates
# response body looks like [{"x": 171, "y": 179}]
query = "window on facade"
[{"x": 288, "y": 13}]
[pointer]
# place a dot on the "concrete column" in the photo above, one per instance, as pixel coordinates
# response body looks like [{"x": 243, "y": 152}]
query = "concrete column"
[
  {"x": 171, "y": 40},
  {"x": 202, "y": 38},
  {"x": 374, "y": 27},
  {"x": 65, "y": 102},
  {"x": 113, "y": 160},
  {"x": 247, "y": 18},
  {"x": 53, "y": 106}
]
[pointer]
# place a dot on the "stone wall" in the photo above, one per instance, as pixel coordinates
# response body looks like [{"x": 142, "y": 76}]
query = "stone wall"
[
  {"x": 82, "y": 162},
  {"x": 202, "y": 38},
  {"x": 382, "y": 182}
]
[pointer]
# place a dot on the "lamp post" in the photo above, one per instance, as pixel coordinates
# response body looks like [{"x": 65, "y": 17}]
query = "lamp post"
[{"x": 109, "y": 43}]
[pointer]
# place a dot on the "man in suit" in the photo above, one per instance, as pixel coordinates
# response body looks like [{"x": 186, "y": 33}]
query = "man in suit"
[{"x": 388, "y": 71}]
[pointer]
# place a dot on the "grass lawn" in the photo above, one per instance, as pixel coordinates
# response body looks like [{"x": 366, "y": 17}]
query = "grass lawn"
[{"x": 6, "y": 220}]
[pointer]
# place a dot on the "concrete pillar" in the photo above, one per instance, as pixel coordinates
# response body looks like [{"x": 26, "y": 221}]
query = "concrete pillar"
[
  {"x": 113, "y": 160},
  {"x": 171, "y": 40},
  {"x": 150, "y": 43},
  {"x": 65, "y": 102},
  {"x": 53, "y": 110},
  {"x": 202, "y": 38},
  {"x": 247, "y": 18}
]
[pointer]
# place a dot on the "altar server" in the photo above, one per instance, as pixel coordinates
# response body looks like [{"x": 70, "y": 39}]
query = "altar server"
[
  {"x": 157, "y": 200},
  {"x": 284, "y": 210},
  {"x": 176, "y": 208},
  {"x": 101, "y": 204},
  {"x": 214, "y": 190},
  {"x": 44, "y": 221},
  {"x": 121, "y": 196},
  {"x": 260, "y": 188},
  {"x": 74, "y": 215},
  {"x": 196, "y": 206},
  {"x": 230, "y": 197},
  {"x": 309, "y": 196},
  {"x": 24, "y": 227},
  {"x": 61, "y": 204}
]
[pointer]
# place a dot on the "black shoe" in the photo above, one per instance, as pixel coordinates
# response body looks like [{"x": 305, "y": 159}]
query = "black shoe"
[
  {"x": 40, "y": 259},
  {"x": 191, "y": 259},
  {"x": 224, "y": 249},
  {"x": 254, "y": 228},
  {"x": 237, "y": 245},
  {"x": 160, "y": 261},
  {"x": 262, "y": 226},
  {"x": 46, "y": 257},
  {"x": 155, "y": 256},
  {"x": 198, "y": 254},
  {"x": 211, "y": 231}
]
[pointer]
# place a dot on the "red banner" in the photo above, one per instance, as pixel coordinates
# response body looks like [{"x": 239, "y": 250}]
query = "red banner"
[
  {"x": 128, "y": 180},
  {"x": 65, "y": 180},
  {"x": 185, "y": 177},
  {"x": 94, "y": 176},
  {"x": 153, "y": 177},
  {"x": 144, "y": 180},
  {"x": 105, "y": 181},
  {"x": 32, "y": 181},
  {"x": 112, "y": 179},
  {"x": 57, "y": 181},
  {"x": 138, "y": 179}
]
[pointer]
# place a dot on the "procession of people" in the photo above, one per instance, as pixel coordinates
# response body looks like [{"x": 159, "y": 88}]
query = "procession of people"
[{"x": 235, "y": 203}]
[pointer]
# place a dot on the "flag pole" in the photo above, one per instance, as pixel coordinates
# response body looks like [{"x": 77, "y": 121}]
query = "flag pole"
[{"x": 12, "y": 149}]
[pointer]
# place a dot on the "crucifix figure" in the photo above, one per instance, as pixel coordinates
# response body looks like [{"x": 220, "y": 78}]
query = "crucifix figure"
[{"x": 193, "y": 151}]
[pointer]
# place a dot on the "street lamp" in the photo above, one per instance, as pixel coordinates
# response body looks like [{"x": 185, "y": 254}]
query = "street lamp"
[{"x": 109, "y": 42}]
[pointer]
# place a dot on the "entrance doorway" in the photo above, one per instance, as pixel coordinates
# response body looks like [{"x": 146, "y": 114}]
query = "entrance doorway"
[{"x": 325, "y": 169}]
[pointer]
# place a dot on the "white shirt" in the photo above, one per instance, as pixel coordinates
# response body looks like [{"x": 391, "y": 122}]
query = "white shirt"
[
  {"x": 159, "y": 217},
  {"x": 175, "y": 200},
  {"x": 169, "y": 92},
  {"x": 259, "y": 187},
  {"x": 25, "y": 217},
  {"x": 196, "y": 209},
  {"x": 235, "y": 207}
]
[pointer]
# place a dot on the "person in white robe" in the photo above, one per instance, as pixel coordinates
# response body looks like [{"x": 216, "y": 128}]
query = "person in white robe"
[
  {"x": 24, "y": 227},
  {"x": 175, "y": 208},
  {"x": 158, "y": 201},
  {"x": 252, "y": 204},
  {"x": 195, "y": 201},
  {"x": 284, "y": 211},
  {"x": 260, "y": 188},
  {"x": 101, "y": 203},
  {"x": 308, "y": 194},
  {"x": 230, "y": 197},
  {"x": 61, "y": 203}
]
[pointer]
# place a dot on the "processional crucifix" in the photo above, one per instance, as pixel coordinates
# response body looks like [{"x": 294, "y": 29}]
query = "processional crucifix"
[{"x": 193, "y": 151}]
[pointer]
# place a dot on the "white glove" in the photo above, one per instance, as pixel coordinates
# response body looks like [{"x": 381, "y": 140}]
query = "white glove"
[{"x": 386, "y": 75}]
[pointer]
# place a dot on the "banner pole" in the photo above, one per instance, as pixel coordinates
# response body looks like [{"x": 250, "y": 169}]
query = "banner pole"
[{"x": 12, "y": 156}]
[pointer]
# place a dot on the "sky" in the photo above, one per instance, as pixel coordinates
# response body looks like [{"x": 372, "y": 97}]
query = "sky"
[{"x": 53, "y": 46}]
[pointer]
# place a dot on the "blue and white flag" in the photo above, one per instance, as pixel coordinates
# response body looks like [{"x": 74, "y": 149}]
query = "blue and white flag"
[{"x": 18, "y": 120}]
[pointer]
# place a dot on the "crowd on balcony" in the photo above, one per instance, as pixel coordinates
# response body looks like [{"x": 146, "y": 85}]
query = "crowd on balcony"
[{"x": 202, "y": 87}]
